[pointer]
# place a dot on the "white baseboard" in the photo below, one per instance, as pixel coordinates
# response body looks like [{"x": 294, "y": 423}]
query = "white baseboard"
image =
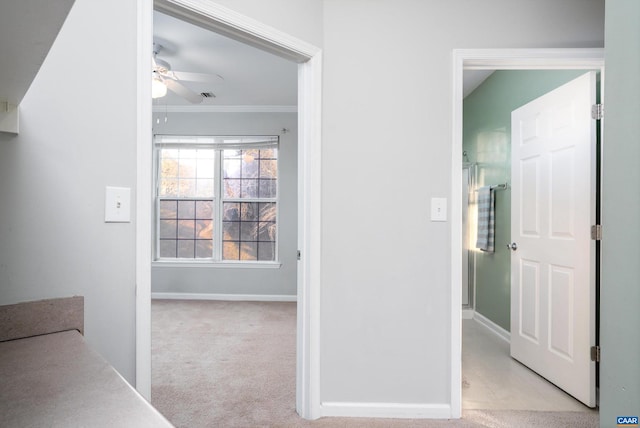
[
  {"x": 386, "y": 410},
  {"x": 227, "y": 297},
  {"x": 493, "y": 327},
  {"x": 467, "y": 313}
]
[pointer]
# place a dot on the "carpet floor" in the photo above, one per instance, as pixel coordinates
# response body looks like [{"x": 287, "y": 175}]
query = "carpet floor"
[{"x": 232, "y": 364}]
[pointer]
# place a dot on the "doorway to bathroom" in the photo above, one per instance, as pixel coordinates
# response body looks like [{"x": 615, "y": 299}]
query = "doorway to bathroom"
[{"x": 484, "y": 152}]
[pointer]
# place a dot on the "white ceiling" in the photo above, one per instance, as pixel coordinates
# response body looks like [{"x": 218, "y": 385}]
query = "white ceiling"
[{"x": 251, "y": 77}]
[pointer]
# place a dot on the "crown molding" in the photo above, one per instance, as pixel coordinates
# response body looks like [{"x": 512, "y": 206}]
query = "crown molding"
[{"x": 223, "y": 109}]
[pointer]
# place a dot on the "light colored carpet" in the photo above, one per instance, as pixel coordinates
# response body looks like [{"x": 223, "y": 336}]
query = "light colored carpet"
[{"x": 232, "y": 364}]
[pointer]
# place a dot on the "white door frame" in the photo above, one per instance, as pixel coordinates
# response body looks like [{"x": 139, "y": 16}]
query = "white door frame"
[
  {"x": 250, "y": 31},
  {"x": 490, "y": 59}
]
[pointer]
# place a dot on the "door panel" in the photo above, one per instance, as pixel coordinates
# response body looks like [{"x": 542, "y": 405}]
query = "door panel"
[{"x": 553, "y": 208}]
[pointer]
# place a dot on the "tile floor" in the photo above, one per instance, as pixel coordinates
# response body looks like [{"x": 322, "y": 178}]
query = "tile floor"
[{"x": 492, "y": 380}]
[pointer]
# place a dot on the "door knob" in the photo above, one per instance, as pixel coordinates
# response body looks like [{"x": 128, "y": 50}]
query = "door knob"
[{"x": 513, "y": 246}]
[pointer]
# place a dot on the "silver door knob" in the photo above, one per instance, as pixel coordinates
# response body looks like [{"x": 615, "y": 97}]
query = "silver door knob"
[{"x": 513, "y": 246}]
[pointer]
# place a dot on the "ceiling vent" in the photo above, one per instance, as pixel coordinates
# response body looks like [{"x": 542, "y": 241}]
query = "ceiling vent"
[{"x": 208, "y": 94}]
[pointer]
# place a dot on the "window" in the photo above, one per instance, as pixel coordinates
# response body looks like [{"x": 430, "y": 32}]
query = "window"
[{"x": 217, "y": 198}]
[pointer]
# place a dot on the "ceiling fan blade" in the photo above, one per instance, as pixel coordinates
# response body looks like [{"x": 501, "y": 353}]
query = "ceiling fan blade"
[
  {"x": 183, "y": 91},
  {"x": 197, "y": 77}
]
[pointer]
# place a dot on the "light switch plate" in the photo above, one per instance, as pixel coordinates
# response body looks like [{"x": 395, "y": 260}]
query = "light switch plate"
[
  {"x": 117, "y": 205},
  {"x": 438, "y": 209}
]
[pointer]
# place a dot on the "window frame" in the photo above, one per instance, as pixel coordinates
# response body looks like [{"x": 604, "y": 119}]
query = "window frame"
[{"x": 219, "y": 144}]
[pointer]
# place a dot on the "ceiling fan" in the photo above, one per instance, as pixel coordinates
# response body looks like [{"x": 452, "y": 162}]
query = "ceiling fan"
[{"x": 165, "y": 78}]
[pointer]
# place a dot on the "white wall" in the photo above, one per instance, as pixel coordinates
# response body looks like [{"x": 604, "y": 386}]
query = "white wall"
[
  {"x": 298, "y": 18},
  {"x": 224, "y": 280},
  {"x": 77, "y": 135},
  {"x": 386, "y": 151}
]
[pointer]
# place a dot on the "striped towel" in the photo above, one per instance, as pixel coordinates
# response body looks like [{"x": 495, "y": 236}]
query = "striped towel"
[{"x": 486, "y": 219}]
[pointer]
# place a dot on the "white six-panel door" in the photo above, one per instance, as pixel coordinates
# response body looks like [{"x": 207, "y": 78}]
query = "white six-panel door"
[{"x": 553, "y": 208}]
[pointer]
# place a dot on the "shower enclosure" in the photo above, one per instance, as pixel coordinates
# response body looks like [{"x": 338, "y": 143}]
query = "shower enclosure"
[{"x": 469, "y": 216}]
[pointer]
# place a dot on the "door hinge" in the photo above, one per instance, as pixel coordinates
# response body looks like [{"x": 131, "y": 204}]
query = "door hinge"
[
  {"x": 298, "y": 254},
  {"x": 595, "y": 353},
  {"x": 597, "y": 111},
  {"x": 596, "y": 232}
]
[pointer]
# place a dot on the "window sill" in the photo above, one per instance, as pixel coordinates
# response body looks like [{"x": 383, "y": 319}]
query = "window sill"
[{"x": 214, "y": 265}]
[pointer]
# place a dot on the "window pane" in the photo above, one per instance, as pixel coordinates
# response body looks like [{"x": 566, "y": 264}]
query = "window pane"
[
  {"x": 169, "y": 187},
  {"x": 205, "y": 153},
  {"x": 249, "y": 231},
  {"x": 204, "y": 187},
  {"x": 268, "y": 153},
  {"x": 231, "y": 188},
  {"x": 232, "y": 154},
  {"x": 231, "y": 231},
  {"x": 268, "y": 188},
  {"x": 186, "y": 249},
  {"x": 230, "y": 251},
  {"x": 250, "y": 164},
  {"x": 204, "y": 209},
  {"x": 168, "y": 209},
  {"x": 231, "y": 211},
  {"x": 249, "y": 188},
  {"x": 168, "y": 248},
  {"x": 249, "y": 211},
  {"x": 266, "y": 231},
  {"x": 268, "y": 168},
  {"x": 187, "y": 187},
  {"x": 204, "y": 249},
  {"x": 266, "y": 251},
  {"x": 169, "y": 167},
  {"x": 249, "y": 251},
  {"x": 186, "y": 209},
  {"x": 188, "y": 153},
  {"x": 232, "y": 168},
  {"x": 267, "y": 211},
  {"x": 187, "y": 168},
  {"x": 204, "y": 229},
  {"x": 168, "y": 229},
  {"x": 186, "y": 229},
  {"x": 205, "y": 168}
]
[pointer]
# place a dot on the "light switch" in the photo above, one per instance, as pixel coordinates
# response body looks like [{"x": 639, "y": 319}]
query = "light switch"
[
  {"x": 438, "y": 209},
  {"x": 117, "y": 205}
]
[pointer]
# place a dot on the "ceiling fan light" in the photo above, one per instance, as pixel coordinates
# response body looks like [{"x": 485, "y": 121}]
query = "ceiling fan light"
[{"x": 158, "y": 88}]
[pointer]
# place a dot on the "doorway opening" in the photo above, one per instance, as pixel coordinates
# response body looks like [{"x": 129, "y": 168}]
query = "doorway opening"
[
  {"x": 487, "y": 61},
  {"x": 308, "y": 57}
]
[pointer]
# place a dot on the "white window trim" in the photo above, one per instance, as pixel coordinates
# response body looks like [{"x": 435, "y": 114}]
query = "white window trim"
[{"x": 219, "y": 144}]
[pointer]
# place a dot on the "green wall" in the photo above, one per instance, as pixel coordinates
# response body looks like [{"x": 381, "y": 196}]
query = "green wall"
[
  {"x": 487, "y": 142},
  {"x": 620, "y": 273}
]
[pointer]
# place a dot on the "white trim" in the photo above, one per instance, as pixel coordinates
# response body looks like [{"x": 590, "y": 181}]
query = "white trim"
[
  {"x": 492, "y": 327},
  {"x": 211, "y": 264},
  {"x": 224, "y": 109},
  {"x": 387, "y": 410},
  {"x": 490, "y": 59},
  {"x": 467, "y": 313},
  {"x": 225, "y": 297},
  {"x": 309, "y": 237},
  {"x": 238, "y": 27},
  {"x": 225, "y": 21},
  {"x": 144, "y": 198}
]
